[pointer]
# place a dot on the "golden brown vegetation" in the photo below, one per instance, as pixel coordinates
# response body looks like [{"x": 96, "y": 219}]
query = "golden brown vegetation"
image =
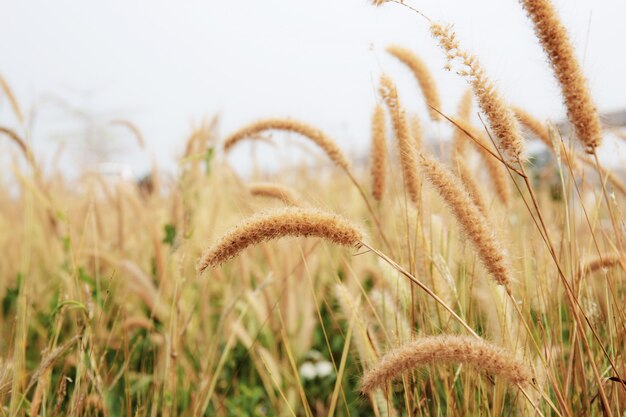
[{"x": 112, "y": 305}]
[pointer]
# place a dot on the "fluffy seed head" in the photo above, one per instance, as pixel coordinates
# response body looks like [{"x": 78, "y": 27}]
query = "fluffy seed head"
[
  {"x": 593, "y": 265},
  {"x": 379, "y": 153},
  {"x": 406, "y": 147},
  {"x": 500, "y": 118},
  {"x": 472, "y": 187},
  {"x": 276, "y": 224},
  {"x": 422, "y": 75},
  {"x": 314, "y": 134},
  {"x": 447, "y": 349},
  {"x": 475, "y": 226},
  {"x": 552, "y": 35},
  {"x": 533, "y": 125},
  {"x": 277, "y": 191}
]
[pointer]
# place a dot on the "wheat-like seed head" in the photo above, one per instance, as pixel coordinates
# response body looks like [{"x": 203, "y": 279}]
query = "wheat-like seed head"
[
  {"x": 475, "y": 226},
  {"x": 379, "y": 153},
  {"x": 472, "y": 187},
  {"x": 406, "y": 147},
  {"x": 276, "y": 224},
  {"x": 277, "y": 191},
  {"x": 314, "y": 134},
  {"x": 539, "y": 130},
  {"x": 422, "y": 75},
  {"x": 533, "y": 125},
  {"x": 447, "y": 349},
  {"x": 416, "y": 132},
  {"x": 552, "y": 35},
  {"x": 500, "y": 118},
  {"x": 604, "y": 262}
]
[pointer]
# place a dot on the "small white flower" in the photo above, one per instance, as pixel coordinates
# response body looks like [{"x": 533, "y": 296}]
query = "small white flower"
[
  {"x": 308, "y": 370},
  {"x": 324, "y": 369}
]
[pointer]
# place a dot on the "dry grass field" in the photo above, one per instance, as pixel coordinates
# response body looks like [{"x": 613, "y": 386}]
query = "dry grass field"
[{"x": 459, "y": 278}]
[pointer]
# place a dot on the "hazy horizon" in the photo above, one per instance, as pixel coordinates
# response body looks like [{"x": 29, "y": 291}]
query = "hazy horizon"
[{"x": 166, "y": 66}]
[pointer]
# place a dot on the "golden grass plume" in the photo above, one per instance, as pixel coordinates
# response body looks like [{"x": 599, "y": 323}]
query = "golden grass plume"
[
  {"x": 604, "y": 262},
  {"x": 467, "y": 178},
  {"x": 553, "y": 37},
  {"x": 379, "y": 153},
  {"x": 280, "y": 223},
  {"x": 314, "y": 134},
  {"x": 446, "y": 349},
  {"x": 422, "y": 75},
  {"x": 475, "y": 226},
  {"x": 499, "y": 116},
  {"x": 406, "y": 146},
  {"x": 277, "y": 191}
]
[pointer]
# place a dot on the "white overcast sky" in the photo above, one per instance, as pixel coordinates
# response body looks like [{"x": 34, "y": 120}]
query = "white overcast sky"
[{"x": 166, "y": 64}]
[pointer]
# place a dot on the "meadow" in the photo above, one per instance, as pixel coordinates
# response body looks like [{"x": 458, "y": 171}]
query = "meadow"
[{"x": 458, "y": 277}]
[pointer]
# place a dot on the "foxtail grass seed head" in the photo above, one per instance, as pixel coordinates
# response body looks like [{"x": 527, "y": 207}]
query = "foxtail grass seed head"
[
  {"x": 591, "y": 266},
  {"x": 533, "y": 125},
  {"x": 553, "y": 37},
  {"x": 422, "y": 75},
  {"x": 379, "y": 153},
  {"x": 499, "y": 116},
  {"x": 276, "y": 224},
  {"x": 443, "y": 350},
  {"x": 472, "y": 187},
  {"x": 416, "y": 132},
  {"x": 406, "y": 147},
  {"x": 277, "y": 191},
  {"x": 254, "y": 129},
  {"x": 474, "y": 225}
]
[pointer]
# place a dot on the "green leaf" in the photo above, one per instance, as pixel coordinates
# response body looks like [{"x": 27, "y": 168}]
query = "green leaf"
[
  {"x": 208, "y": 157},
  {"x": 170, "y": 234}
]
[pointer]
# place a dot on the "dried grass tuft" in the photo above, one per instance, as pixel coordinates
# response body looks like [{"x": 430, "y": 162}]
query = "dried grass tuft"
[
  {"x": 276, "y": 224},
  {"x": 314, "y": 134},
  {"x": 553, "y": 37},
  {"x": 447, "y": 349}
]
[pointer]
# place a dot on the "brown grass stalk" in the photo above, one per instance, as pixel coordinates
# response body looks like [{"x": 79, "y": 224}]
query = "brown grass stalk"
[{"x": 496, "y": 170}]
